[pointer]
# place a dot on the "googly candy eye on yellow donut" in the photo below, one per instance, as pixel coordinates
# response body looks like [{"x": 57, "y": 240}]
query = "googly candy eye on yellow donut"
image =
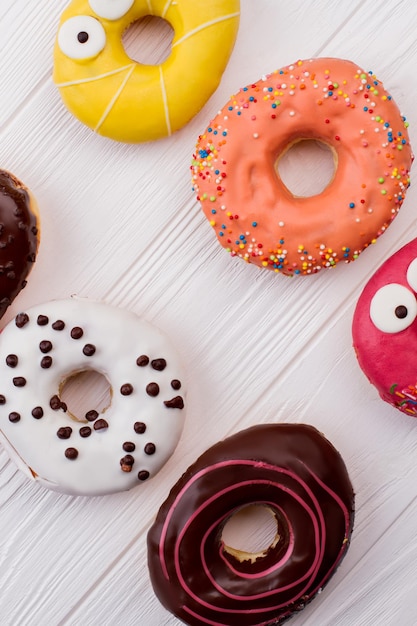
[
  {"x": 254, "y": 215},
  {"x": 129, "y": 101},
  {"x": 91, "y": 454}
]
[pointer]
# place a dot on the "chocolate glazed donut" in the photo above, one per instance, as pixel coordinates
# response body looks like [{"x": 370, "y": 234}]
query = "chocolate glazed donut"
[
  {"x": 290, "y": 469},
  {"x": 19, "y": 237}
]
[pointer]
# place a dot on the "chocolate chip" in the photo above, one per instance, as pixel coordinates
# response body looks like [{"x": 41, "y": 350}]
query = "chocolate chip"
[
  {"x": 139, "y": 427},
  {"x": 2, "y": 399},
  {"x": 55, "y": 403},
  {"x": 46, "y": 362},
  {"x": 42, "y": 320},
  {"x": 129, "y": 446},
  {"x": 150, "y": 448},
  {"x": 45, "y": 346},
  {"x": 126, "y": 389},
  {"x": 89, "y": 349},
  {"x": 11, "y": 275},
  {"x": 58, "y": 325},
  {"x": 37, "y": 412},
  {"x": 85, "y": 431},
  {"x": 159, "y": 364},
  {"x": 11, "y": 360},
  {"x": 152, "y": 389},
  {"x": 126, "y": 463},
  {"x": 175, "y": 403},
  {"x": 21, "y": 319},
  {"x": 143, "y": 475},
  {"x": 65, "y": 432},
  {"x": 19, "y": 381},
  {"x": 76, "y": 332},
  {"x": 100, "y": 424},
  {"x": 91, "y": 415},
  {"x": 71, "y": 453},
  {"x": 142, "y": 361},
  {"x": 34, "y": 230},
  {"x": 14, "y": 417},
  {"x": 176, "y": 384},
  {"x": 64, "y": 406}
]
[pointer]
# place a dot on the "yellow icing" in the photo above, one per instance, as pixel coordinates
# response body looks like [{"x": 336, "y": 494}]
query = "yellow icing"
[{"x": 131, "y": 102}]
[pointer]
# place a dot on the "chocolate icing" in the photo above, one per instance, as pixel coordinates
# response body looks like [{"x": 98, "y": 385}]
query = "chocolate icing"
[
  {"x": 18, "y": 238},
  {"x": 295, "y": 472}
]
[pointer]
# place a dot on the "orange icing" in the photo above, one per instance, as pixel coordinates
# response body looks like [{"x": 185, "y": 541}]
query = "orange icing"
[{"x": 253, "y": 213}]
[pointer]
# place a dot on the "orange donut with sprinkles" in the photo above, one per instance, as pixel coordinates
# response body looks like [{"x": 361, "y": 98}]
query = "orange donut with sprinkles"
[{"x": 235, "y": 175}]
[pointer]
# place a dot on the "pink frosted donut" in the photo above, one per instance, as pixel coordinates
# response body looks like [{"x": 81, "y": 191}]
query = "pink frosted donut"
[
  {"x": 384, "y": 330},
  {"x": 254, "y": 215}
]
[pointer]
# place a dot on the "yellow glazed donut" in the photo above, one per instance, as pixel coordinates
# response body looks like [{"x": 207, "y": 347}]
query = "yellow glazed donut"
[{"x": 132, "y": 102}]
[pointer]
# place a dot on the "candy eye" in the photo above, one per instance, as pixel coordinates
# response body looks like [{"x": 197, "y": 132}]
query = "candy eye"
[
  {"x": 81, "y": 37},
  {"x": 393, "y": 308},
  {"x": 412, "y": 275},
  {"x": 111, "y": 9}
]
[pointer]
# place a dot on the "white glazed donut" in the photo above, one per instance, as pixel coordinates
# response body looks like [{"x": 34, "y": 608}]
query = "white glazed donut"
[{"x": 99, "y": 453}]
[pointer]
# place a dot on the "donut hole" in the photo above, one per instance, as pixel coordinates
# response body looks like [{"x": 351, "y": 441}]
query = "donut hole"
[
  {"x": 307, "y": 167},
  {"x": 149, "y": 40},
  {"x": 250, "y": 532},
  {"x": 85, "y": 391}
]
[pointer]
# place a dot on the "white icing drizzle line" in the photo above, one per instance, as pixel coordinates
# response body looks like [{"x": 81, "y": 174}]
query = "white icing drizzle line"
[
  {"x": 113, "y": 100},
  {"x": 165, "y": 9},
  {"x": 99, "y": 77},
  {"x": 165, "y": 101},
  {"x": 216, "y": 20}
]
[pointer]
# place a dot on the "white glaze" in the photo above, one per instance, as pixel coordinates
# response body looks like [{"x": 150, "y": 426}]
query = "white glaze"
[
  {"x": 120, "y": 337},
  {"x": 68, "y": 37},
  {"x": 111, "y": 9},
  {"x": 384, "y": 304}
]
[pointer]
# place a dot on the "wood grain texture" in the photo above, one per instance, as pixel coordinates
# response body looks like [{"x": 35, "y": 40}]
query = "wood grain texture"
[{"x": 120, "y": 223}]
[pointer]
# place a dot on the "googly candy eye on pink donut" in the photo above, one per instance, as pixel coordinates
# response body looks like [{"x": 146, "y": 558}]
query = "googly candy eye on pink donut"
[
  {"x": 385, "y": 330},
  {"x": 254, "y": 215},
  {"x": 97, "y": 453}
]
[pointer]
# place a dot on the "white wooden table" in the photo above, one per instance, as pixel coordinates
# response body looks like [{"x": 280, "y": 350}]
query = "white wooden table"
[{"x": 120, "y": 223}]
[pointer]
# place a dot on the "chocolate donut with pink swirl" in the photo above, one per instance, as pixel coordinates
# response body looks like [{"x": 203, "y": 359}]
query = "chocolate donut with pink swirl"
[{"x": 291, "y": 469}]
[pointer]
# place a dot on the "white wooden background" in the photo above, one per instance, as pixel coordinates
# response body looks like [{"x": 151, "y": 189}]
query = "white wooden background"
[{"x": 120, "y": 223}]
